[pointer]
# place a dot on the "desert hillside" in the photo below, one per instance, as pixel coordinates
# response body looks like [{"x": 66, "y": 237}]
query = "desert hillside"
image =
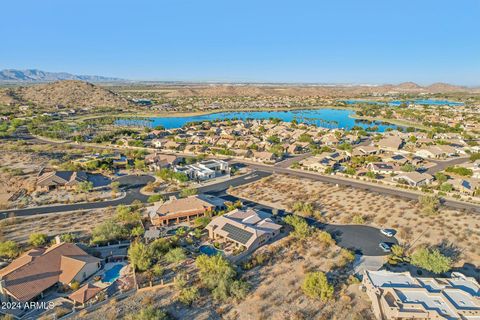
[{"x": 69, "y": 93}]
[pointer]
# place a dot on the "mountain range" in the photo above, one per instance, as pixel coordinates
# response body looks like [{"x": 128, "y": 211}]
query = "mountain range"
[{"x": 34, "y": 75}]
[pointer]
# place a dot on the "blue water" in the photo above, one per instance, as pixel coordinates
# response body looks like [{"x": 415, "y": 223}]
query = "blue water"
[
  {"x": 208, "y": 250},
  {"x": 327, "y": 118},
  {"x": 112, "y": 274},
  {"x": 397, "y": 103}
]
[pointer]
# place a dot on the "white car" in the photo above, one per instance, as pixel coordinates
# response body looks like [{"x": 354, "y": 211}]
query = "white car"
[
  {"x": 388, "y": 232},
  {"x": 385, "y": 247}
]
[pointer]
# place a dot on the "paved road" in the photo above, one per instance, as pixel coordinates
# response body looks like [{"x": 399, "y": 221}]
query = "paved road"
[
  {"x": 442, "y": 165},
  {"x": 289, "y": 161},
  {"x": 363, "y": 240},
  {"x": 356, "y": 184},
  {"x": 132, "y": 185}
]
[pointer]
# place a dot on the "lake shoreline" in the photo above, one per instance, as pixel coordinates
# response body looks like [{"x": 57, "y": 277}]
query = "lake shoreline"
[
  {"x": 330, "y": 118},
  {"x": 173, "y": 114}
]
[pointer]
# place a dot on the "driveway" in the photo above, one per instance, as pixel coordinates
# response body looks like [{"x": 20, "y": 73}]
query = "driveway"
[{"x": 442, "y": 165}]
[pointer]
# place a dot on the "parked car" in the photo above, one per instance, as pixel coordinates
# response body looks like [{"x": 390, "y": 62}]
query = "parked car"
[
  {"x": 385, "y": 247},
  {"x": 388, "y": 232}
]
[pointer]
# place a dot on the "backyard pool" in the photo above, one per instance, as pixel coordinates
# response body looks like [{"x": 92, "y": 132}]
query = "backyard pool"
[
  {"x": 208, "y": 250},
  {"x": 112, "y": 274}
]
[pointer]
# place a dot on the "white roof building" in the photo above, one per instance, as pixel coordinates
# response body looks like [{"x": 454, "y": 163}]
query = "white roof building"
[{"x": 402, "y": 296}]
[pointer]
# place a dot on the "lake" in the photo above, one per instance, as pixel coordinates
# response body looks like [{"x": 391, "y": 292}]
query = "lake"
[
  {"x": 396, "y": 103},
  {"x": 327, "y": 118}
]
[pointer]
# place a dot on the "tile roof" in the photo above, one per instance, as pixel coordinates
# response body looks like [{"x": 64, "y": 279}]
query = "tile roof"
[
  {"x": 85, "y": 293},
  {"x": 36, "y": 271}
]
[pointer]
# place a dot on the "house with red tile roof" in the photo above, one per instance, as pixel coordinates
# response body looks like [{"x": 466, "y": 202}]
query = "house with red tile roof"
[{"x": 40, "y": 269}]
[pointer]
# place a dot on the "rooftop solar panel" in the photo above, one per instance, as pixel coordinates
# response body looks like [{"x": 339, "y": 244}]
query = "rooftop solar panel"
[{"x": 237, "y": 234}]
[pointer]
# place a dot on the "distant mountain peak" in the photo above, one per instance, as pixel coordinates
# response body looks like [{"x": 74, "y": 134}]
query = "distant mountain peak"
[
  {"x": 409, "y": 85},
  {"x": 35, "y": 75}
]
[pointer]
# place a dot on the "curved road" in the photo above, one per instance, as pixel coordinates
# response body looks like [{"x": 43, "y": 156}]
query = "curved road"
[{"x": 132, "y": 185}]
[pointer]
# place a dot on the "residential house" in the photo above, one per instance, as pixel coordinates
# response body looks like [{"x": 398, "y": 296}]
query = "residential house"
[
  {"x": 414, "y": 178},
  {"x": 184, "y": 209},
  {"x": 157, "y": 161},
  {"x": 436, "y": 152},
  {"x": 390, "y": 143},
  {"x": 246, "y": 229},
  {"x": 297, "y": 147},
  {"x": 264, "y": 156},
  {"x": 396, "y": 158},
  {"x": 40, "y": 269},
  {"x": 158, "y": 143},
  {"x": 56, "y": 179},
  {"x": 365, "y": 151},
  {"x": 317, "y": 163},
  {"x": 330, "y": 139},
  {"x": 403, "y": 296},
  {"x": 383, "y": 167},
  {"x": 466, "y": 186},
  {"x": 171, "y": 145},
  {"x": 204, "y": 170},
  {"x": 157, "y": 134}
]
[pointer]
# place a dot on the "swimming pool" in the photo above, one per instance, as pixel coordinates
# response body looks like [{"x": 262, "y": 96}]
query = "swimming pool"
[
  {"x": 208, "y": 250},
  {"x": 112, "y": 274}
]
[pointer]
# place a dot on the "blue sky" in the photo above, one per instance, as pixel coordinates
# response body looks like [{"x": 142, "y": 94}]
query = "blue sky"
[{"x": 341, "y": 41}]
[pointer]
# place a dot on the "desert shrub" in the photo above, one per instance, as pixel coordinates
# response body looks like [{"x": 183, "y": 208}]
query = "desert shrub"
[
  {"x": 301, "y": 229},
  {"x": 160, "y": 246},
  {"x": 188, "y": 295},
  {"x": 325, "y": 238},
  {"x": 316, "y": 286},
  {"x": 37, "y": 239},
  {"x": 358, "y": 219},
  {"x": 68, "y": 237},
  {"x": 148, "y": 313},
  {"x": 9, "y": 249},
  {"x": 202, "y": 222},
  {"x": 157, "y": 270},
  {"x": 239, "y": 289},
  {"x": 108, "y": 231},
  {"x": 74, "y": 285},
  {"x": 155, "y": 198},
  {"x": 188, "y": 192},
  {"x": 218, "y": 275},
  {"x": 429, "y": 204},
  {"x": 127, "y": 214},
  {"x": 431, "y": 259},
  {"x": 175, "y": 255},
  {"x": 346, "y": 257},
  {"x": 140, "y": 256}
]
